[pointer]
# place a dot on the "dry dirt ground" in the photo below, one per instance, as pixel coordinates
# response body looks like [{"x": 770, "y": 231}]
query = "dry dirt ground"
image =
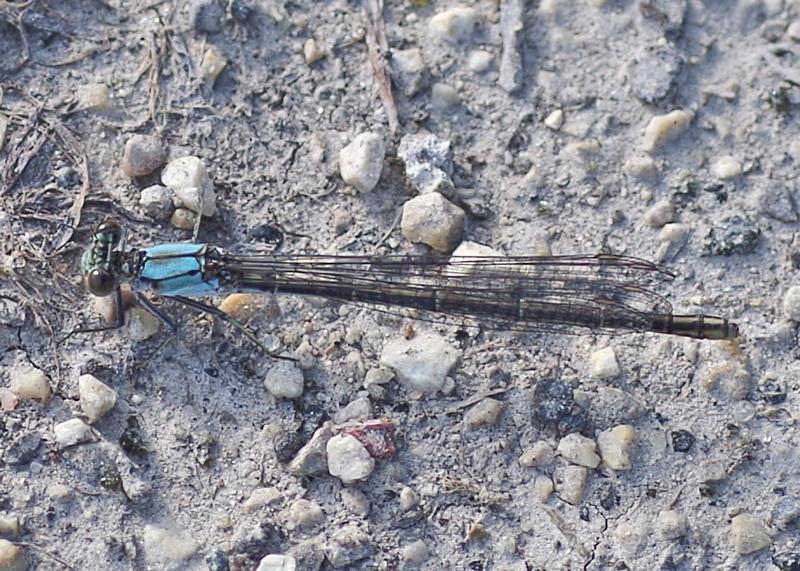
[{"x": 546, "y": 113}]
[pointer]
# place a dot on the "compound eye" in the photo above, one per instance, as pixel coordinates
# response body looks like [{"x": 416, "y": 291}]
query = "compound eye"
[{"x": 100, "y": 282}]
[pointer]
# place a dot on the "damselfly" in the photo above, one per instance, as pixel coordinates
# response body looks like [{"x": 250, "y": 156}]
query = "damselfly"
[{"x": 566, "y": 294}]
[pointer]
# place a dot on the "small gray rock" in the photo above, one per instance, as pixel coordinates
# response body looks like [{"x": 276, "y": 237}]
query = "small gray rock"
[
  {"x": 652, "y": 73},
  {"x": 156, "y": 201},
  {"x": 143, "y": 155}
]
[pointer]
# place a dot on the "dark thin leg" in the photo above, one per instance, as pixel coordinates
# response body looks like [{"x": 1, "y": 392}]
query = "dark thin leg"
[
  {"x": 222, "y": 316},
  {"x": 118, "y": 323},
  {"x": 151, "y": 307}
]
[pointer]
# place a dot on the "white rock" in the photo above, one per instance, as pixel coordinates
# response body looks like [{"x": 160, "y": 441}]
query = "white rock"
[
  {"x": 359, "y": 408},
  {"x": 642, "y": 168},
  {"x": 480, "y": 61},
  {"x": 540, "y": 454},
  {"x": 428, "y": 162},
  {"x": 416, "y": 551},
  {"x": 554, "y": 120},
  {"x": 408, "y": 67},
  {"x": 484, "y": 413},
  {"x": 188, "y": 178},
  {"x": 665, "y": 128},
  {"x": 348, "y": 459},
  {"x": 579, "y": 450},
  {"x": 312, "y": 52},
  {"x": 305, "y": 514},
  {"x": 285, "y": 380},
  {"x": 748, "y": 534},
  {"x": 543, "y": 487},
  {"x": 615, "y": 446},
  {"x": 261, "y": 497},
  {"x": 603, "y": 364},
  {"x": 673, "y": 233},
  {"x": 361, "y": 162},
  {"x": 141, "y": 324},
  {"x": 793, "y": 31},
  {"x": 167, "y": 547},
  {"x": 71, "y": 432},
  {"x": 183, "y": 219},
  {"x": 58, "y": 492},
  {"x": 3, "y": 130},
  {"x": 661, "y": 213},
  {"x": 156, "y": 201},
  {"x": 12, "y": 557},
  {"x": 143, "y": 155},
  {"x": 458, "y": 266},
  {"x": 726, "y": 167},
  {"x": 212, "y": 64},
  {"x": 9, "y": 526},
  {"x": 409, "y": 499},
  {"x": 444, "y": 96},
  {"x": 96, "y": 398},
  {"x": 422, "y": 363},
  {"x": 672, "y": 524},
  {"x": 94, "y": 97},
  {"x": 433, "y": 220},
  {"x": 570, "y": 483},
  {"x": 791, "y": 304},
  {"x": 276, "y": 562},
  {"x": 456, "y": 24},
  {"x": 31, "y": 385}
]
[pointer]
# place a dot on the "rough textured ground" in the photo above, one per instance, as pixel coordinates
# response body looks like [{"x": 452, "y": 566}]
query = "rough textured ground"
[{"x": 194, "y": 432}]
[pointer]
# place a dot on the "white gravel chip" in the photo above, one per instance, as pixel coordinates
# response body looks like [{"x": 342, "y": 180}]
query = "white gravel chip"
[
  {"x": 276, "y": 562},
  {"x": 312, "y": 52},
  {"x": 480, "y": 61},
  {"x": 409, "y": 499},
  {"x": 456, "y": 24},
  {"x": 348, "y": 459},
  {"x": 672, "y": 524},
  {"x": 428, "y": 162},
  {"x": 726, "y": 167},
  {"x": 188, "y": 178},
  {"x": 603, "y": 364},
  {"x": 285, "y": 380},
  {"x": 444, "y": 96},
  {"x": 305, "y": 514},
  {"x": 579, "y": 449},
  {"x": 641, "y": 167},
  {"x": 167, "y": 547},
  {"x": 748, "y": 534},
  {"x": 261, "y": 497},
  {"x": 791, "y": 303},
  {"x": 71, "y": 432},
  {"x": 31, "y": 385},
  {"x": 94, "y": 97},
  {"x": 422, "y": 363},
  {"x": 665, "y": 128},
  {"x": 485, "y": 413},
  {"x": 416, "y": 551},
  {"x": 141, "y": 324},
  {"x": 359, "y": 408},
  {"x": 661, "y": 213},
  {"x": 212, "y": 64},
  {"x": 570, "y": 483},
  {"x": 3, "y": 130},
  {"x": 543, "y": 488},
  {"x": 433, "y": 220},
  {"x": 183, "y": 219},
  {"x": 12, "y": 557},
  {"x": 540, "y": 454},
  {"x": 554, "y": 120},
  {"x": 361, "y": 162},
  {"x": 615, "y": 446},
  {"x": 96, "y": 397},
  {"x": 156, "y": 201},
  {"x": 143, "y": 155}
]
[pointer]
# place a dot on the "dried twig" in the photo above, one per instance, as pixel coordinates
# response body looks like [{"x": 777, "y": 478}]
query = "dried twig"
[{"x": 378, "y": 47}]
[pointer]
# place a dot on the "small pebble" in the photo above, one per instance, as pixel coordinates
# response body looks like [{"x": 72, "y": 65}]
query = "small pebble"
[
  {"x": 94, "y": 97},
  {"x": 312, "y": 458},
  {"x": 156, "y": 201},
  {"x": 672, "y": 524},
  {"x": 261, "y": 497},
  {"x": 359, "y": 408},
  {"x": 480, "y": 61},
  {"x": 167, "y": 548},
  {"x": 603, "y": 364},
  {"x": 96, "y": 398},
  {"x": 682, "y": 440},
  {"x": 615, "y": 446},
  {"x": 241, "y": 306},
  {"x": 731, "y": 237},
  {"x": 422, "y": 363},
  {"x": 653, "y": 72},
  {"x": 540, "y": 454},
  {"x": 9, "y": 525},
  {"x": 642, "y": 168},
  {"x": 141, "y": 324},
  {"x": 188, "y": 178},
  {"x": 793, "y": 31},
  {"x": 408, "y": 68},
  {"x": 428, "y": 162},
  {"x": 579, "y": 450},
  {"x": 732, "y": 380},
  {"x": 665, "y": 128},
  {"x": 791, "y": 303},
  {"x": 31, "y": 385},
  {"x": 455, "y": 25},
  {"x": 12, "y": 557},
  {"x": 58, "y": 492},
  {"x": 355, "y": 501},
  {"x": 342, "y": 220},
  {"x": 416, "y": 551},
  {"x": 748, "y": 534},
  {"x": 312, "y": 52},
  {"x": 276, "y": 562},
  {"x": 444, "y": 96},
  {"x": 183, "y": 219},
  {"x": 361, "y": 162},
  {"x": 143, "y": 155},
  {"x": 554, "y": 120},
  {"x": 543, "y": 488},
  {"x": 726, "y": 167},
  {"x": 71, "y": 432},
  {"x": 348, "y": 459},
  {"x": 433, "y": 220},
  {"x": 305, "y": 514},
  {"x": 484, "y": 413},
  {"x": 285, "y": 380},
  {"x": 348, "y": 544},
  {"x": 212, "y": 64},
  {"x": 673, "y": 233},
  {"x": 8, "y": 400},
  {"x": 409, "y": 499},
  {"x": 661, "y": 213},
  {"x": 466, "y": 249},
  {"x": 570, "y": 483}
]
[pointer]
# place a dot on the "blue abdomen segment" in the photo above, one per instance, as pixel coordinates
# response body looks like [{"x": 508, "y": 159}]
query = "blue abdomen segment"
[{"x": 175, "y": 269}]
